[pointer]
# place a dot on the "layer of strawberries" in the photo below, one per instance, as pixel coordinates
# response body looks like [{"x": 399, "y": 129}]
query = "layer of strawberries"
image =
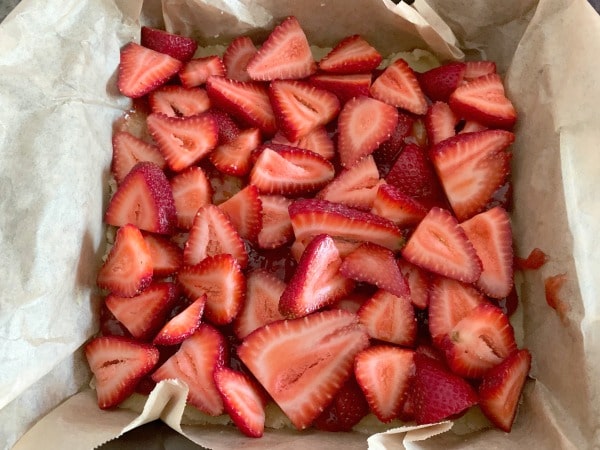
[{"x": 330, "y": 235}]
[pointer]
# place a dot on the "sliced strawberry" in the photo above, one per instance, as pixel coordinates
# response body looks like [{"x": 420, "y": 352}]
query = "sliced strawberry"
[
  {"x": 118, "y": 364},
  {"x": 212, "y": 233},
  {"x": 398, "y": 207},
  {"x": 183, "y": 141},
  {"x": 419, "y": 283},
  {"x": 167, "y": 257},
  {"x": 233, "y": 157},
  {"x": 129, "y": 150},
  {"x": 449, "y": 302},
  {"x": 317, "y": 141},
  {"x": 438, "y": 394},
  {"x": 196, "y": 72},
  {"x": 472, "y": 167},
  {"x": 290, "y": 171},
  {"x": 536, "y": 259},
  {"x": 183, "y": 325},
  {"x": 438, "y": 83},
  {"x": 195, "y": 363},
  {"x": 387, "y": 153},
  {"x": 481, "y": 340},
  {"x": 440, "y": 245},
  {"x": 144, "y": 199},
  {"x": 389, "y": 318},
  {"x": 311, "y": 217},
  {"x": 128, "y": 267},
  {"x": 175, "y": 45},
  {"x": 243, "y": 401},
  {"x": 284, "y": 55},
  {"x": 398, "y": 86},
  {"x": 191, "y": 191},
  {"x": 228, "y": 128},
  {"x": 476, "y": 69},
  {"x": 374, "y": 264},
  {"x": 471, "y": 126},
  {"x": 236, "y": 57},
  {"x": 484, "y": 101},
  {"x": 317, "y": 282},
  {"x": 501, "y": 388},
  {"x": 363, "y": 124},
  {"x": 343, "y": 246},
  {"x": 491, "y": 235},
  {"x": 356, "y": 186},
  {"x": 440, "y": 122},
  {"x": 302, "y": 363},
  {"x": 276, "y": 223},
  {"x": 384, "y": 373},
  {"x": 351, "y": 55},
  {"x": 220, "y": 277},
  {"x": 177, "y": 101},
  {"x": 345, "y": 87},
  {"x": 244, "y": 210},
  {"x": 141, "y": 70},
  {"x": 300, "y": 107},
  {"x": 347, "y": 408},
  {"x": 248, "y": 102},
  {"x": 144, "y": 314}
]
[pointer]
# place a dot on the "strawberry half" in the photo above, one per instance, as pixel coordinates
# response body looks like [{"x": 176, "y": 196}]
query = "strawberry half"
[
  {"x": 244, "y": 210},
  {"x": 167, "y": 256},
  {"x": 345, "y": 87},
  {"x": 394, "y": 205},
  {"x": 118, "y": 364},
  {"x": 440, "y": 123},
  {"x": 419, "y": 283},
  {"x": 183, "y": 325},
  {"x": 398, "y": 86},
  {"x": 438, "y": 83},
  {"x": 317, "y": 281},
  {"x": 284, "y": 55},
  {"x": 177, "y": 101},
  {"x": 387, "y": 153},
  {"x": 236, "y": 57},
  {"x": 347, "y": 408},
  {"x": 317, "y": 141},
  {"x": 191, "y": 191},
  {"x": 234, "y": 157},
  {"x": 384, "y": 373},
  {"x": 129, "y": 150},
  {"x": 196, "y": 72},
  {"x": 141, "y": 70},
  {"x": 179, "y": 47},
  {"x": 144, "y": 199},
  {"x": 476, "y": 69},
  {"x": 276, "y": 227},
  {"x": 128, "y": 267},
  {"x": 302, "y": 363},
  {"x": 440, "y": 245},
  {"x": 351, "y": 55}
]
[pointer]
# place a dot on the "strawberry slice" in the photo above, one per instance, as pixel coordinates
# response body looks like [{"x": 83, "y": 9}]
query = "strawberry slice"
[
  {"x": 236, "y": 57},
  {"x": 128, "y": 267},
  {"x": 233, "y": 157},
  {"x": 438, "y": 394},
  {"x": 394, "y": 205},
  {"x": 346, "y": 409},
  {"x": 144, "y": 314},
  {"x": 419, "y": 283},
  {"x": 484, "y": 101},
  {"x": 195, "y": 363},
  {"x": 317, "y": 141},
  {"x": 144, "y": 199},
  {"x": 398, "y": 86},
  {"x": 118, "y": 364},
  {"x": 167, "y": 257},
  {"x": 284, "y": 55},
  {"x": 276, "y": 224},
  {"x": 191, "y": 191},
  {"x": 481, "y": 340},
  {"x": 389, "y": 318},
  {"x": 243, "y": 401},
  {"x": 177, "y": 46},
  {"x": 355, "y": 187},
  {"x": 472, "y": 167},
  {"x": 220, "y": 278},
  {"x": 183, "y": 141},
  {"x": 387, "y": 153},
  {"x": 374, "y": 264},
  {"x": 177, "y": 101},
  {"x": 491, "y": 235},
  {"x": 345, "y": 87},
  {"x": 343, "y": 246},
  {"x": 384, "y": 373},
  {"x": 471, "y": 126},
  {"x": 363, "y": 124},
  {"x": 476, "y": 69},
  {"x": 248, "y": 102},
  {"x": 351, "y": 55},
  {"x": 440, "y": 245},
  {"x": 244, "y": 210},
  {"x": 300, "y": 107},
  {"x": 311, "y": 217},
  {"x": 440, "y": 122},
  {"x": 501, "y": 388},
  {"x": 438, "y": 83},
  {"x": 228, "y": 128},
  {"x": 129, "y": 150},
  {"x": 302, "y": 363},
  {"x": 141, "y": 70},
  {"x": 183, "y": 325},
  {"x": 317, "y": 281},
  {"x": 196, "y": 72},
  {"x": 212, "y": 233},
  {"x": 290, "y": 171}
]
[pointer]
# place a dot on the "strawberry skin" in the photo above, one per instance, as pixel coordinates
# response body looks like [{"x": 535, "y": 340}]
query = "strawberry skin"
[
  {"x": 183, "y": 325},
  {"x": 398, "y": 86},
  {"x": 128, "y": 150},
  {"x": 438, "y": 83},
  {"x": 302, "y": 363},
  {"x": 179, "y": 47},
  {"x": 118, "y": 364},
  {"x": 348, "y": 407}
]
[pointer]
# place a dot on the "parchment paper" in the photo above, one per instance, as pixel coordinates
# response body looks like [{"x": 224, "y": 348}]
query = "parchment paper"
[{"x": 57, "y": 90}]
